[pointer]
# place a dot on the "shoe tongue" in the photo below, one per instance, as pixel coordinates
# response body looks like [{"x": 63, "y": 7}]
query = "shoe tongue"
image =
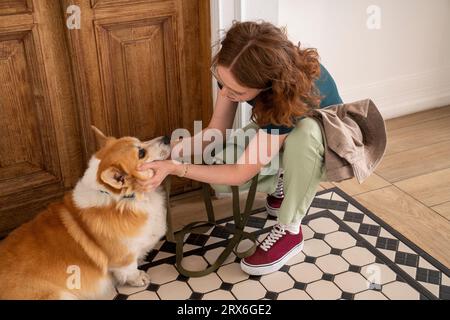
[{"x": 272, "y": 235}]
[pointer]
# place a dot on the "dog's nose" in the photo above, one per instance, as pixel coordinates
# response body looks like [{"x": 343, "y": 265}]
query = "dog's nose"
[{"x": 166, "y": 140}]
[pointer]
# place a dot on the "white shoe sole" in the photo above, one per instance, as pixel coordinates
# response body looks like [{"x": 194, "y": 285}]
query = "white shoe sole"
[
  {"x": 273, "y": 267},
  {"x": 271, "y": 211}
]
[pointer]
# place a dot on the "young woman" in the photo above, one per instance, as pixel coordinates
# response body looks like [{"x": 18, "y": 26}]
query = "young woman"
[{"x": 258, "y": 64}]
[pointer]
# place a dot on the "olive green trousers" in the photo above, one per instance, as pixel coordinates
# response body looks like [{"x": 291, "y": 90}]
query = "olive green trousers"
[{"x": 302, "y": 160}]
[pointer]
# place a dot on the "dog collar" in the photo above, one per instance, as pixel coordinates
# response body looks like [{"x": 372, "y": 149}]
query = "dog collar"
[{"x": 127, "y": 196}]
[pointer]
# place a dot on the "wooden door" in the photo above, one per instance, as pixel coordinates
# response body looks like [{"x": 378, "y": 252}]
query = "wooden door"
[
  {"x": 142, "y": 67},
  {"x": 135, "y": 67},
  {"x": 40, "y": 154}
]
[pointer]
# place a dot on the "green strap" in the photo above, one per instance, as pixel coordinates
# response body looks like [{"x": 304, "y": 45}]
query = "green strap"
[
  {"x": 241, "y": 220},
  {"x": 208, "y": 202},
  {"x": 239, "y": 234},
  {"x": 169, "y": 233}
]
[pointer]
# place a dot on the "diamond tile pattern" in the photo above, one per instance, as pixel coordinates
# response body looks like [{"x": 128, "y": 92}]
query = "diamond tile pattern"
[{"x": 349, "y": 253}]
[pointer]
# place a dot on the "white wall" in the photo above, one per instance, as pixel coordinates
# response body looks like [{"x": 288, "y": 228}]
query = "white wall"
[
  {"x": 267, "y": 10},
  {"x": 404, "y": 66}
]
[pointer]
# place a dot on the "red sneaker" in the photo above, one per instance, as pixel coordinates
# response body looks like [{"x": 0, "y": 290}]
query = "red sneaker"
[
  {"x": 273, "y": 253},
  {"x": 273, "y": 204}
]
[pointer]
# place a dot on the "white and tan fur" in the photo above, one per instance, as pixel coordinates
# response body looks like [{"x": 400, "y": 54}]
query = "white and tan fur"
[{"x": 94, "y": 228}]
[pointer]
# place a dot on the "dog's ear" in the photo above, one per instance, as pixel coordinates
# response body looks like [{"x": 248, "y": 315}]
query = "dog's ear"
[
  {"x": 100, "y": 137},
  {"x": 114, "y": 177}
]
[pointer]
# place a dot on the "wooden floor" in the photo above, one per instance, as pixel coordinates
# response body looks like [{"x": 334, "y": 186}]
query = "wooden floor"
[{"x": 410, "y": 190}]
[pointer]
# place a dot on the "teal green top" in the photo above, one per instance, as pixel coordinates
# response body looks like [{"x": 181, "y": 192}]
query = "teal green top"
[{"x": 328, "y": 90}]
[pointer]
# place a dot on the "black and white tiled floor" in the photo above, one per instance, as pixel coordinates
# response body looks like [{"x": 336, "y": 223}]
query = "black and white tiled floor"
[{"x": 349, "y": 253}]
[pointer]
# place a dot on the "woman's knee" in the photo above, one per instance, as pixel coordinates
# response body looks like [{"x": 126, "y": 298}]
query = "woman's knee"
[
  {"x": 307, "y": 133},
  {"x": 304, "y": 148}
]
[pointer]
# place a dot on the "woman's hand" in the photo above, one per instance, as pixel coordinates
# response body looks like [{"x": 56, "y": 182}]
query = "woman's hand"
[{"x": 162, "y": 169}]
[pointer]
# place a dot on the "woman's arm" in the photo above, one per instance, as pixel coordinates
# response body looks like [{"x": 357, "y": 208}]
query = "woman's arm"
[
  {"x": 224, "y": 113},
  {"x": 260, "y": 151}
]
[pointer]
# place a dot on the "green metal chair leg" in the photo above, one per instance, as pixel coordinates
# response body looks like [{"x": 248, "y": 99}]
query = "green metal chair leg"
[
  {"x": 238, "y": 233},
  {"x": 170, "y": 235},
  {"x": 206, "y": 188}
]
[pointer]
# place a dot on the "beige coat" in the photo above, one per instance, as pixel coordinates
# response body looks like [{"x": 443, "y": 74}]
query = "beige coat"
[{"x": 354, "y": 139}]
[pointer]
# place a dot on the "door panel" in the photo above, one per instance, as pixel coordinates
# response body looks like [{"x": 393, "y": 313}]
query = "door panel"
[
  {"x": 105, "y": 3},
  {"x": 39, "y": 152},
  {"x": 28, "y": 158},
  {"x": 142, "y": 68},
  {"x": 25, "y": 136},
  {"x": 15, "y": 6},
  {"x": 136, "y": 75}
]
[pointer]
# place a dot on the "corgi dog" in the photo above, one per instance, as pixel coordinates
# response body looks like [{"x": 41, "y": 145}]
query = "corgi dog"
[{"x": 91, "y": 241}]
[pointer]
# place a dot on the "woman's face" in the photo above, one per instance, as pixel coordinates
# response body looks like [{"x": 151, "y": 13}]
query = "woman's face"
[{"x": 231, "y": 88}]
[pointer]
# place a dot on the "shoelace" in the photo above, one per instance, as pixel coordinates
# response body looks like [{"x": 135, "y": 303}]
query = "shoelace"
[
  {"x": 277, "y": 232},
  {"x": 279, "y": 191}
]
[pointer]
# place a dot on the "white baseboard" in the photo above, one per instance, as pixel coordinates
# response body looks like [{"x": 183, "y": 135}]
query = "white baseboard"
[{"x": 405, "y": 94}]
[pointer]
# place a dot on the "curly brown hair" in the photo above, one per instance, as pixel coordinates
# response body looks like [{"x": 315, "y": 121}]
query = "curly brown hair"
[{"x": 260, "y": 55}]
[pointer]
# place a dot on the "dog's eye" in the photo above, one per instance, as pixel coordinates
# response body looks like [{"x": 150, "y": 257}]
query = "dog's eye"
[{"x": 142, "y": 153}]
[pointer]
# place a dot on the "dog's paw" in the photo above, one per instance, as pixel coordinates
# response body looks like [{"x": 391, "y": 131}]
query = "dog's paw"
[{"x": 141, "y": 280}]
